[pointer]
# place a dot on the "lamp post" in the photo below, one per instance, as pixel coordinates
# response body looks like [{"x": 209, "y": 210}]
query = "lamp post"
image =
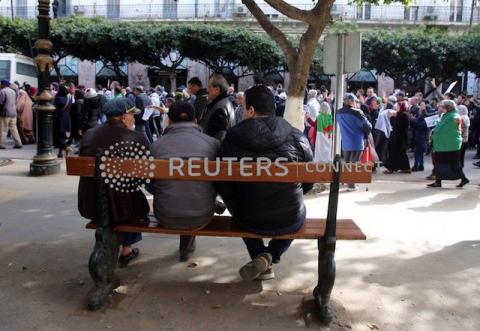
[{"x": 45, "y": 162}]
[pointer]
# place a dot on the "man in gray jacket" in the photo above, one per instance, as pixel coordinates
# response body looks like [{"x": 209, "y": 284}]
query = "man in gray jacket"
[
  {"x": 184, "y": 204},
  {"x": 8, "y": 114}
]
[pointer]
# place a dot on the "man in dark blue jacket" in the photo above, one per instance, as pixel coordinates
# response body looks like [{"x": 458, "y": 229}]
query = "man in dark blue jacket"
[
  {"x": 354, "y": 130},
  {"x": 267, "y": 209}
]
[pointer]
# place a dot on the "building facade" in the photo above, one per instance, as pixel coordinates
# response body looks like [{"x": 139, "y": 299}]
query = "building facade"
[
  {"x": 428, "y": 11},
  {"x": 454, "y": 15}
]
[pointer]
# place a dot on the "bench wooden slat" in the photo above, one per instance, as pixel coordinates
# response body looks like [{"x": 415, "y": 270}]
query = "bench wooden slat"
[
  {"x": 222, "y": 226},
  {"x": 296, "y": 172}
]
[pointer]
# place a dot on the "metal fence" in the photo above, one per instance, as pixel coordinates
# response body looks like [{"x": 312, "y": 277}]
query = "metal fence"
[{"x": 235, "y": 11}]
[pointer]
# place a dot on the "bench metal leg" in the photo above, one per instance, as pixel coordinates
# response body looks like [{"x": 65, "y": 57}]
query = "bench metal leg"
[
  {"x": 104, "y": 257},
  {"x": 101, "y": 265},
  {"x": 326, "y": 279},
  {"x": 326, "y": 252}
]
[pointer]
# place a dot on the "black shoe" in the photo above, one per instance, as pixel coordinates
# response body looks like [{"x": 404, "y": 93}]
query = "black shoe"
[
  {"x": 477, "y": 164},
  {"x": 421, "y": 168},
  {"x": 184, "y": 256},
  {"x": 187, "y": 247},
  {"x": 123, "y": 260},
  {"x": 464, "y": 182},
  {"x": 415, "y": 168},
  {"x": 220, "y": 207},
  {"x": 17, "y": 146},
  {"x": 434, "y": 185}
]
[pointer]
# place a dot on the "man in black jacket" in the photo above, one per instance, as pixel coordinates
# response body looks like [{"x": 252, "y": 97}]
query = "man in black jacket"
[
  {"x": 220, "y": 115},
  {"x": 142, "y": 101},
  {"x": 265, "y": 208},
  {"x": 198, "y": 97}
]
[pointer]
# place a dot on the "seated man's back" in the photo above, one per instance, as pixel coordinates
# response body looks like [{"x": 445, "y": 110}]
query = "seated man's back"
[
  {"x": 184, "y": 204},
  {"x": 265, "y": 206},
  {"x": 268, "y": 209},
  {"x": 124, "y": 206}
]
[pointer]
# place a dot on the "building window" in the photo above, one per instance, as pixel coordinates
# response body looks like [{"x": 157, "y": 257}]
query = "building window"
[
  {"x": 170, "y": 9},
  {"x": 64, "y": 8},
  {"x": 113, "y": 9},
  {"x": 21, "y": 9},
  {"x": 26, "y": 69}
]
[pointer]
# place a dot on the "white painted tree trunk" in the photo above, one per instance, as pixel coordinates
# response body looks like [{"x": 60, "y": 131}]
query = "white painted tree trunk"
[{"x": 294, "y": 112}]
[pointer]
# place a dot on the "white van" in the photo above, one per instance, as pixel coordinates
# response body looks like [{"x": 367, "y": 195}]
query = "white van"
[{"x": 18, "y": 68}]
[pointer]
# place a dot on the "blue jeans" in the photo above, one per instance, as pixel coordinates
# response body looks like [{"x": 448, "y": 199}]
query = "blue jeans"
[
  {"x": 131, "y": 238},
  {"x": 419, "y": 158},
  {"x": 420, "y": 148},
  {"x": 276, "y": 247}
]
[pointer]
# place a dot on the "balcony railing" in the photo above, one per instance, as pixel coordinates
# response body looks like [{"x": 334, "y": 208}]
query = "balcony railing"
[{"x": 236, "y": 11}]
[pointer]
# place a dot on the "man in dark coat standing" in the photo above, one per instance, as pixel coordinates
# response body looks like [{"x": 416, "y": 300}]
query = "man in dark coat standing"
[
  {"x": 198, "y": 97},
  {"x": 220, "y": 115},
  {"x": 142, "y": 101},
  {"x": 268, "y": 209}
]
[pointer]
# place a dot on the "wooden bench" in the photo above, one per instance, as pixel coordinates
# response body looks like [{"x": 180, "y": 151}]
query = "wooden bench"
[{"x": 326, "y": 231}]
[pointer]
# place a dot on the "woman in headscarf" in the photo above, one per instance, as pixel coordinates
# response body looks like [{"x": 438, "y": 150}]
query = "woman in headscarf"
[
  {"x": 322, "y": 140},
  {"x": 383, "y": 129},
  {"x": 463, "y": 112},
  {"x": 25, "y": 118},
  {"x": 398, "y": 142},
  {"x": 447, "y": 143}
]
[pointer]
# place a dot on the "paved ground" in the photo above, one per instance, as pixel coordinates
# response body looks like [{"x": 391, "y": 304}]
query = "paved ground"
[{"x": 418, "y": 270}]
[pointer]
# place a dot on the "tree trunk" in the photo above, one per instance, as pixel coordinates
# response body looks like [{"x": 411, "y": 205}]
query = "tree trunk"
[
  {"x": 299, "y": 68},
  {"x": 296, "y": 93},
  {"x": 299, "y": 59}
]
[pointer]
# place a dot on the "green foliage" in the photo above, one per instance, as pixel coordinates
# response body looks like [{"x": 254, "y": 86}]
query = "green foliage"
[
  {"x": 17, "y": 35},
  {"x": 117, "y": 42},
  {"x": 411, "y": 57}
]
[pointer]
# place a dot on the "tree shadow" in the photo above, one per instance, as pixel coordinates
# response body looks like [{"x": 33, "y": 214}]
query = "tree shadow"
[{"x": 468, "y": 201}]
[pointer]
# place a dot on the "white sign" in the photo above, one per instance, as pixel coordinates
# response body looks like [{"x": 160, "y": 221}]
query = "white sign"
[
  {"x": 352, "y": 55},
  {"x": 147, "y": 113},
  {"x": 450, "y": 87},
  {"x": 432, "y": 120}
]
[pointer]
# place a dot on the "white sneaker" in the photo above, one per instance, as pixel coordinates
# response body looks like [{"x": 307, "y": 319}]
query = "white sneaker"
[
  {"x": 266, "y": 275},
  {"x": 353, "y": 188},
  {"x": 256, "y": 267}
]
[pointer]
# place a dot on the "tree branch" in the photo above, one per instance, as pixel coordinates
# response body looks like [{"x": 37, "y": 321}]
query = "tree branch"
[
  {"x": 289, "y": 51},
  {"x": 322, "y": 11},
  {"x": 291, "y": 11}
]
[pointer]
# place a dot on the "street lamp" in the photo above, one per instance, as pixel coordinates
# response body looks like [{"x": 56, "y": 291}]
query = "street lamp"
[{"x": 45, "y": 162}]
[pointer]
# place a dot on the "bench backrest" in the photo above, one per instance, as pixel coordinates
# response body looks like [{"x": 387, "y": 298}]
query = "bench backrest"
[{"x": 199, "y": 170}]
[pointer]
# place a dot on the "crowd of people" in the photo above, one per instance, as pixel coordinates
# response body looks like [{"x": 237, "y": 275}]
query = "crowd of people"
[
  {"x": 214, "y": 121},
  {"x": 385, "y": 129},
  {"x": 208, "y": 124},
  {"x": 16, "y": 115}
]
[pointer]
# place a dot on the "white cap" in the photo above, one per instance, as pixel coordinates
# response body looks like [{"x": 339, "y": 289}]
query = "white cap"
[{"x": 90, "y": 93}]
